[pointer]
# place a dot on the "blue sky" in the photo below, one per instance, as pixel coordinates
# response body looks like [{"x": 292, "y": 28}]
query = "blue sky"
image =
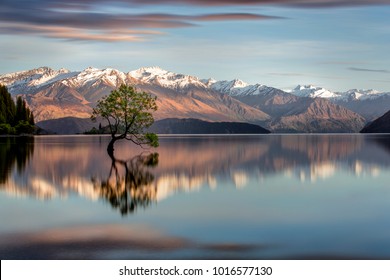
[{"x": 335, "y": 44}]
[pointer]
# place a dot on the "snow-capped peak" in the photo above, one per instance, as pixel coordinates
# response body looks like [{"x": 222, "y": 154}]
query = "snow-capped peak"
[
  {"x": 147, "y": 73},
  {"x": 227, "y": 86},
  {"x": 25, "y": 81},
  {"x": 353, "y": 94},
  {"x": 164, "y": 78},
  {"x": 93, "y": 75},
  {"x": 364, "y": 91},
  {"x": 313, "y": 92},
  {"x": 236, "y": 83},
  {"x": 237, "y": 87},
  {"x": 361, "y": 94}
]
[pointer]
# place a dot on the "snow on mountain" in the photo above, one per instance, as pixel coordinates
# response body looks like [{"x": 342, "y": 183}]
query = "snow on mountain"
[
  {"x": 164, "y": 78},
  {"x": 238, "y": 88},
  {"x": 353, "y": 94},
  {"x": 32, "y": 80},
  {"x": 27, "y": 81},
  {"x": 356, "y": 94},
  {"x": 91, "y": 75},
  {"x": 313, "y": 92},
  {"x": 227, "y": 86}
]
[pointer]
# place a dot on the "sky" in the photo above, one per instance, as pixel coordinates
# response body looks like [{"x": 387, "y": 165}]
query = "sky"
[{"x": 338, "y": 45}]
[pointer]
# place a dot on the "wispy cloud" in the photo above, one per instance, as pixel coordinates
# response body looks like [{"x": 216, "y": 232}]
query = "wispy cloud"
[
  {"x": 74, "y": 21},
  {"x": 77, "y": 34},
  {"x": 228, "y": 17},
  {"x": 84, "y": 20},
  {"x": 368, "y": 70},
  {"x": 299, "y": 3}
]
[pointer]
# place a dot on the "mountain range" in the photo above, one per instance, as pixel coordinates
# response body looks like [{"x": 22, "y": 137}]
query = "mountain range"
[{"x": 55, "y": 94}]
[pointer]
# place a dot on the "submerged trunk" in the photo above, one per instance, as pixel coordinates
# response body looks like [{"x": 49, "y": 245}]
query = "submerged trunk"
[{"x": 110, "y": 147}]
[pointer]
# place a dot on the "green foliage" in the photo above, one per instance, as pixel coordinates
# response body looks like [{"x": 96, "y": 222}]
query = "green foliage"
[
  {"x": 129, "y": 114},
  {"x": 7, "y": 106},
  {"x": 92, "y": 131},
  {"x": 152, "y": 139},
  {"x": 23, "y": 113},
  {"x": 5, "y": 128},
  {"x": 24, "y": 127},
  {"x": 14, "y": 118}
]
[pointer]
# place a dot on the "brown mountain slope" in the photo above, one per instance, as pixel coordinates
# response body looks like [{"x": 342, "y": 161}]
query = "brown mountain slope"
[
  {"x": 291, "y": 113},
  {"x": 200, "y": 103},
  {"x": 318, "y": 116},
  {"x": 60, "y": 101},
  {"x": 56, "y": 101}
]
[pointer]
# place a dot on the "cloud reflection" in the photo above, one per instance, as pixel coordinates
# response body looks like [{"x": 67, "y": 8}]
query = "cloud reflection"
[
  {"x": 96, "y": 241},
  {"x": 120, "y": 241}
]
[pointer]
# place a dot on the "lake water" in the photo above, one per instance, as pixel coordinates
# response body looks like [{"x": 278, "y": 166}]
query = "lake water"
[{"x": 196, "y": 197}]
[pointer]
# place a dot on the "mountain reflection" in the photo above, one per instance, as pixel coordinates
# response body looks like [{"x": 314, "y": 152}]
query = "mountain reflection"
[
  {"x": 61, "y": 166},
  {"x": 131, "y": 187}
]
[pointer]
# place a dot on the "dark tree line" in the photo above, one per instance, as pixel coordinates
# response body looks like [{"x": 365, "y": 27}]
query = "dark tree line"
[{"x": 15, "y": 118}]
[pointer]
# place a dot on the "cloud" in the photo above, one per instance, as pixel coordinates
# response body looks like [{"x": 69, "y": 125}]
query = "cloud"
[
  {"x": 368, "y": 70},
  {"x": 87, "y": 242},
  {"x": 77, "y": 34},
  {"x": 89, "y": 20},
  {"x": 74, "y": 21},
  {"x": 290, "y": 3},
  {"x": 122, "y": 241},
  {"x": 237, "y": 16}
]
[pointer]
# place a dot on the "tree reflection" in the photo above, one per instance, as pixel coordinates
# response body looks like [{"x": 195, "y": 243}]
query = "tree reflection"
[
  {"x": 14, "y": 151},
  {"x": 129, "y": 183}
]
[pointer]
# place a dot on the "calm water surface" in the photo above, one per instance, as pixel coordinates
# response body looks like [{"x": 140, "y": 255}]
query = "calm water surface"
[{"x": 196, "y": 197}]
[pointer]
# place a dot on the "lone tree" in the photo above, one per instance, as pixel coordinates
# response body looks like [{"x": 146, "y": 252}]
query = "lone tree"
[{"x": 128, "y": 113}]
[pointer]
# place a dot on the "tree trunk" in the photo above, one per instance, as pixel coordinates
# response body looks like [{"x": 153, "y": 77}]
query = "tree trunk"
[{"x": 110, "y": 147}]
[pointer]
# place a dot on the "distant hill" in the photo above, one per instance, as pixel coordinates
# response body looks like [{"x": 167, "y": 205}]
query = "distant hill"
[
  {"x": 195, "y": 126},
  {"x": 67, "y": 125},
  {"x": 71, "y": 125},
  {"x": 380, "y": 125}
]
